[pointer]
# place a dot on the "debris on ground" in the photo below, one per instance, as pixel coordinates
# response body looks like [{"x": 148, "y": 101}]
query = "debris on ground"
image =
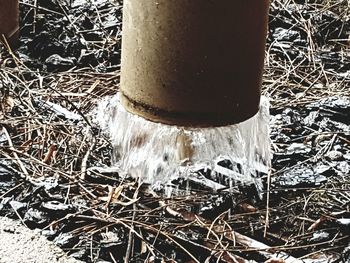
[{"x": 55, "y": 167}]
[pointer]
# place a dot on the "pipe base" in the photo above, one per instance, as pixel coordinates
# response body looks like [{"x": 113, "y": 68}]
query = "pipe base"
[
  {"x": 188, "y": 119},
  {"x": 158, "y": 153}
]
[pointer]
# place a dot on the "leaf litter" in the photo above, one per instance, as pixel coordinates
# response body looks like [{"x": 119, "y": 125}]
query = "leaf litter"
[{"x": 55, "y": 172}]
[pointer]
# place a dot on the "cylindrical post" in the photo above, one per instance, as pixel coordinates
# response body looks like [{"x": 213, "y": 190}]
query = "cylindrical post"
[
  {"x": 193, "y": 62},
  {"x": 9, "y": 27}
]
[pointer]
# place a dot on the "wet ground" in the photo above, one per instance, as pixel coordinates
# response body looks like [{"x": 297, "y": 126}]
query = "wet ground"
[{"x": 54, "y": 161}]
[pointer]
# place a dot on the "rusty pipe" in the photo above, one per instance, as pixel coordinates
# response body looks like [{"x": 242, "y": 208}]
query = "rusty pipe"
[
  {"x": 193, "y": 62},
  {"x": 9, "y": 25}
]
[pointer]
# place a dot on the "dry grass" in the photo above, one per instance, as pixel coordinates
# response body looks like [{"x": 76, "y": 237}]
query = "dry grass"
[{"x": 40, "y": 143}]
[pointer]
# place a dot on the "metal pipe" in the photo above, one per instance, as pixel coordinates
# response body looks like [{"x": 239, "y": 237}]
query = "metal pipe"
[
  {"x": 193, "y": 62},
  {"x": 9, "y": 25}
]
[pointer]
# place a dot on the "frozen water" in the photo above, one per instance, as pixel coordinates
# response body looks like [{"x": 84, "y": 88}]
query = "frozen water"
[{"x": 159, "y": 153}]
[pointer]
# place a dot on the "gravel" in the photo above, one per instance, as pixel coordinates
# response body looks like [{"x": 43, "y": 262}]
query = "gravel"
[{"x": 22, "y": 245}]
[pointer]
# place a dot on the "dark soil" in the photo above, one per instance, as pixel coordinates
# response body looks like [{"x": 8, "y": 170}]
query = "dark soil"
[{"x": 54, "y": 160}]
